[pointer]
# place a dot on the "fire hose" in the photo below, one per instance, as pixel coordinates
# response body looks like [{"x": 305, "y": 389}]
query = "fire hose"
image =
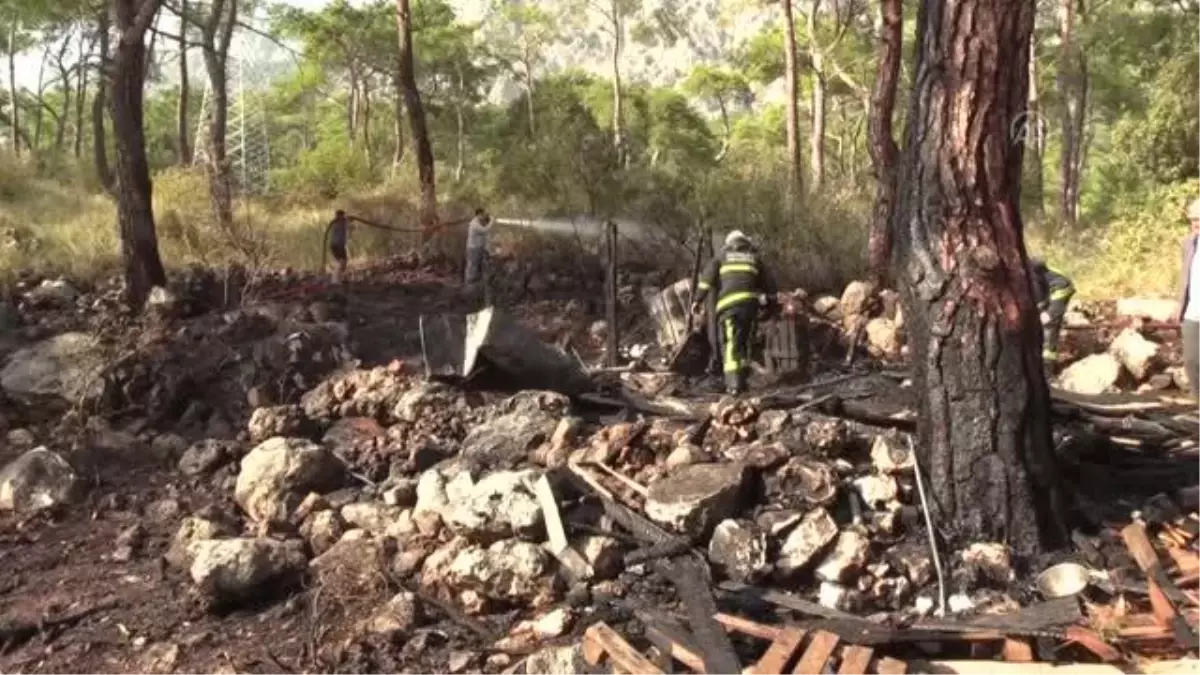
[{"x": 391, "y": 228}]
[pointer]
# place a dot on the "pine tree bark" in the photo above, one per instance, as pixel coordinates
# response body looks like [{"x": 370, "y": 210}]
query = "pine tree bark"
[
  {"x": 791, "y": 78},
  {"x": 960, "y": 263},
  {"x": 181, "y": 113},
  {"x": 143, "y": 268},
  {"x": 416, "y": 114},
  {"x": 100, "y": 107}
]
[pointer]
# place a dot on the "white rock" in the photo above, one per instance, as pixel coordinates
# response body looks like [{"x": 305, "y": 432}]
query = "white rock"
[
  {"x": 739, "y": 548},
  {"x": 234, "y": 568},
  {"x": 557, "y": 661},
  {"x": 431, "y": 493},
  {"x": 278, "y": 472},
  {"x": 809, "y": 538},
  {"x": 39, "y": 479},
  {"x": 602, "y": 553},
  {"x": 66, "y": 366},
  {"x": 836, "y": 596},
  {"x": 685, "y": 454},
  {"x": 1093, "y": 374},
  {"x": 322, "y": 530},
  {"x": 1154, "y": 309},
  {"x": 509, "y": 570},
  {"x": 554, "y": 623},
  {"x": 826, "y": 305},
  {"x": 959, "y": 603},
  {"x": 890, "y": 454},
  {"x": 397, "y": 617},
  {"x": 499, "y": 506},
  {"x": 877, "y": 490},
  {"x": 695, "y": 498},
  {"x": 1135, "y": 352},
  {"x": 846, "y": 560},
  {"x": 191, "y": 530},
  {"x": 883, "y": 337},
  {"x": 375, "y": 517},
  {"x": 854, "y": 298}
]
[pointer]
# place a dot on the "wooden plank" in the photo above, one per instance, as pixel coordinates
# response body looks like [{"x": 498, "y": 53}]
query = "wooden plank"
[
  {"x": 1017, "y": 651},
  {"x": 621, "y": 653},
  {"x": 855, "y": 660},
  {"x": 1038, "y": 668},
  {"x": 1092, "y": 642},
  {"x": 890, "y": 666},
  {"x": 780, "y": 653},
  {"x": 752, "y": 628},
  {"x": 673, "y": 639},
  {"x": 818, "y": 652},
  {"x": 1165, "y": 596}
]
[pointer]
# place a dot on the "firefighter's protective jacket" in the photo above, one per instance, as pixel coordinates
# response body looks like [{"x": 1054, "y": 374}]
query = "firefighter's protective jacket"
[
  {"x": 1049, "y": 286},
  {"x": 736, "y": 275}
]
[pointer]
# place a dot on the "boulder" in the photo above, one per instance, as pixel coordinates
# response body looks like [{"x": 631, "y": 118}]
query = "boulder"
[
  {"x": 39, "y": 479},
  {"x": 739, "y": 549},
  {"x": 191, "y": 530},
  {"x": 1135, "y": 352},
  {"x": 991, "y": 561},
  {"x": 844, "y": 563},
  {"x": 855, "y": 297},
  {"x": 355, "y": 393},
  {"x": 509, "y": 571},
  {"x": 1093, "y": 374},
  {"x": 814, "y": 532},
  {"x": 883, "y": 337},
  {"x": 65, "y": 367},
  {"x": 839, "y": 597},
  {"x": 693, "y": 499},
  {"x": 814, "y": 482},
  {"x": 206, "y": 456},
  {"x": 377, "y": 518},
  {"x": 500, "y": 506},
  {"x": 526, "y": 421},
  {"x": 232, "y": 569},
  {"x": 278, "y": 472},
  {"x": 276, "y": 420}
]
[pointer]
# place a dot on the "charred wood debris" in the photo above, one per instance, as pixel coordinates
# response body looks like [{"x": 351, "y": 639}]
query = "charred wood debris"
[{"x": 625, "y": 519}]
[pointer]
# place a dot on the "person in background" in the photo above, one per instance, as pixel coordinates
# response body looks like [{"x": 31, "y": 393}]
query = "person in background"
[
  {"x": 1188, "y": 314},
  {"x": 337, "y": 234},
  {"x": 1053, "y": 293},
  {"x": 742, "y": 286},
  {"x": 478, "y": 231}
]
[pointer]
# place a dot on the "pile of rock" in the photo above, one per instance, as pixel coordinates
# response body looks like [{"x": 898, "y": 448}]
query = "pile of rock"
[
  {"x": 866, "y": 310},
  {"x": 1131, "y": 361}
]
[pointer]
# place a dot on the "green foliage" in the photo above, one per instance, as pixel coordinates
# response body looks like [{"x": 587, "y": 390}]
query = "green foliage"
[{"x": 331, "y": 169}]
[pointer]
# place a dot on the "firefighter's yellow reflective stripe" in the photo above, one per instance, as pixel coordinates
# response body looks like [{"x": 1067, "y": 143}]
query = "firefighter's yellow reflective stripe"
[
  {"x": 730, "y": 359},
  {"x": 703, "y": 285},
  {"x": 1049, "y": 355},
  {"x": 735, "y": 299},
  {"x": 1062, "y": 293},
  {"x": 733, "y": 268}
]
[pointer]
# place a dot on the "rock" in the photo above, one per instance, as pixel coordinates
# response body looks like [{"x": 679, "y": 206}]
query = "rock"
[
  {"x": 1135, "y": 352},
  {"x": 375, "y": 517},
  {"x": 21, "y": 438},
  {"x": 231, "y": 569},
  {"x": 1160, "y": 382},
  {"x": 602, "y": 553},
  {"x": 499, "y": 506},
  {"x": 827, "y": 306},
  {"x": 959, "y": 603},
  {"x": 64, "y": 367},
  {"x": 846, "y": 560},
  {"x": 460, "y": 661},
  {"x": 890, "y": 302},
  {"x": 557, "y": 661},
  {"x": 693, "y": 499},
  {"x": 159, "y": 657},
  {"x": 992, "y": 560},
  {"x": 686, "y": 454},
  {"x": 812, "y": 481},
  {"x": 278, "y": 472},
  {"x": 1093, "y": 374},
  {"x": 739, "y": 549},
  {"x": 877, "y": 490},
  {"x": 891, "y": 592},
  {"x": 836, "y": 596},
  {"x": 826, "y": 436},
  {"x": 566, "y": 434},
  {"x": 775, "y": 523},
  {"x": 311, "y": 504},
  {"x": 431, "y": 493},
  {"x": 278, "y": 420},
  {"x": 509, "y": 571},
  {"x": 397, "y": 618},
  {"x": 1161, "y": 310},
  {"x": 37, "y": 480},
  {"x": 890, "y": 454},
  {"x": 913, "y": 559},
  {"x": 883, "y": 338},
  {"x": 129, "y": 542},
  {"x": 354, "y": 566},
  {"x": 816, "y": 531},
  {"x": 162, "y": 511},
  {"x": 52, "y": 293},
  {"x": 355, "y": 393},
  {"x": 758, "y": 455},
  {"x": 423, "y": 398},
  {"x": 206, "y": 456},
  {"x": 168, "y": 446},
  {"x": 408, "y": 561},
  {"x": 855, "y": 297},
  {"x": 354, "y": 434},
  {"x": 1178, "y": 377},
  {"x": 554, "y": 623},
  {"x": 402, "y": 492},
  {"x": 528, "y": 419},
  {"x": 191, "y": 530},
  {"x": 322, "y": 530}
]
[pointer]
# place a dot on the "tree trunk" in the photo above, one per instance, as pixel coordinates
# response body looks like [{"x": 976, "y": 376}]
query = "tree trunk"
[
  {"x": 80, "y": 96},
  {"x": 365, "y": 120},
  {"x": 398, "y": 120},
  {"x": 726, "y": 129},
  {"x": 793, "y": 110},
  {"x": 41, "y": 104},
  {"x": 527, "y": 63},
  {"x": 139, "y": 244},
  {"x": 100, "y": 107},
  {"x": 1035, "y": 139},
  {"x": 217, "y": 36},
  {"x": 181, "y": 119},
  {"x": 880, "y": 137},
  {"x": 64, "y": 75},
  {"x": 960, "y": 262},
  {"x": 1072, "y": 86},
  {"x": 816, "y": 139},
  {"x": 416, "y": 114},
  {"x": 15, "y": 115},
  {"x": 618, "y": 120},
  {"x": 460, "y": 123},
  {"x": 352, "y": 108}
]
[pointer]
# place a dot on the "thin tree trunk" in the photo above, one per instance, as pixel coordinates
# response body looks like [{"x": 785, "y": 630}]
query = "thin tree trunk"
[
  {"x": 398, "y": 120},
  {"x": 726, "y": 129},
  {"x": 816, "y": 139},
  {"x": 1072, "y": 84},
  {"x": 80, "y": 96},
  {"x": 881, "y": 140},
  {"x": 142, "y": 265},
  {"x": 41, "y": 107},
  {"x": 365, "y": 123},
  {"x": 416, "y": 115},
  {"x": 218, "y": 34},
  {"x": 460, "y": 123},
  {"x": 618, "y": 120},
  {"x": 352, "y": 106},
  {"x": 1035, "y": 139},
  {"x": 64, "y": 75},
  {"x": 527, "y": 63},
  {"x": 791, "y": 78},
  {"x": 15, "y": 115},
  {"x": 960, "y": 263},
  {"x": 181, "y": 114},
  {"x": 100, "y": 106}
]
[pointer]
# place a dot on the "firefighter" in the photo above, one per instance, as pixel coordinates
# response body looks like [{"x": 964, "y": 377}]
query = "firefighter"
[
  {"x": 742, "y": 286},
  {"x": 1053, "y": 292}
]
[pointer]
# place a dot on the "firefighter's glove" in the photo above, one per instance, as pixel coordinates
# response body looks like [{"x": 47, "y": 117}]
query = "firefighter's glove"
[{"x": 1045, "y": 318}]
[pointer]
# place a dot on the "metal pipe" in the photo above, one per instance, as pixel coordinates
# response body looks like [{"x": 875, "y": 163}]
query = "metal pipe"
[{"x": 937, "y": 560}]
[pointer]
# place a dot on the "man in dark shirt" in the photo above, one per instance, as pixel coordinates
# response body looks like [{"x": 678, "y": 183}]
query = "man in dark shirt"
[
  {"x": 742, "y": 286},
  {"x": 337, "y": 234},
  {"x": 1053, "y": 293}
]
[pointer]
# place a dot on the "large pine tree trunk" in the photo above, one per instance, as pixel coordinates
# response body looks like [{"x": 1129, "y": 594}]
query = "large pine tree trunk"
[
  {"x": 100, "y": 107},
  {"x": 791, "y": 78},
  {"x": 139, "y": 244},
  {"x": 416, "y": 114},
  {"x": 959, "y": 260},
  {"x": 181, "y": 113}
]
